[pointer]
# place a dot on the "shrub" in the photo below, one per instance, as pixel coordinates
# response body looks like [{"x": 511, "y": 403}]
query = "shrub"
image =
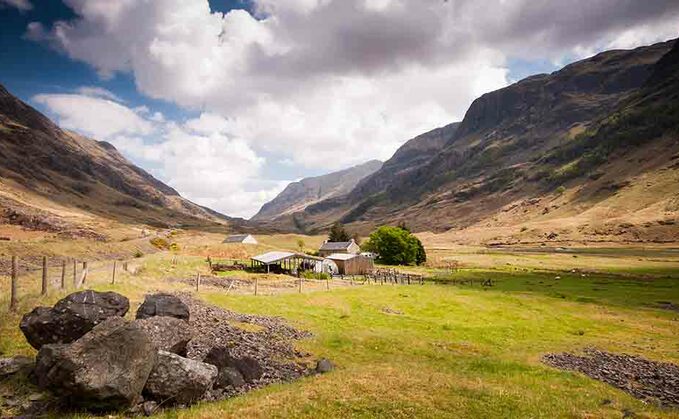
[
  {"x": 138, "y": 254},
  {"x": 396, "y": 246},
  {"x": 315, "y": 275},
  {"x": 160, "y": 243},
  {"x": 560, "y": 190},
  {"x": 174, "y": 247}
]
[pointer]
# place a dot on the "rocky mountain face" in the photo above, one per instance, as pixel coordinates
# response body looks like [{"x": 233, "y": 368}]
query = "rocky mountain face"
[
  {"x": 299, "y": 195},
  {"x": 51, "y": 177},
  {"x": 573, "y": 142}
]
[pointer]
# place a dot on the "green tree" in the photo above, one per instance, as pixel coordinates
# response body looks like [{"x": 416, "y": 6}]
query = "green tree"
[
  {"x": 338, "y": 233},
  {"x": 300, "y": 245},
  {"x": 395, "y": 246}
]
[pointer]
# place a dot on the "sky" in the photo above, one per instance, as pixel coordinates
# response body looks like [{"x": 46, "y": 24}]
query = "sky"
[{"x": 228, "y": 101}]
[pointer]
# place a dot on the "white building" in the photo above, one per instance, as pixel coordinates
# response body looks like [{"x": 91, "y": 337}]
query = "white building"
[{"x": 241, "y": 238}]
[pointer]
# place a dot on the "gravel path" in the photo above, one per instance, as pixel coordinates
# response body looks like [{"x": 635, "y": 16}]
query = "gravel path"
[
  {"x": 270, "y": 342},
  {"x": 642, "y": 378}
]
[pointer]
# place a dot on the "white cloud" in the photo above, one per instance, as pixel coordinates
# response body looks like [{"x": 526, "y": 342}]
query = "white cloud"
[
  {"x": 22, "y": 5},
  {"x": 93, "y": 116},
  {"x": 196, "y": 157},
  {"x": 95, "y": 91},
  {"x": 328, "y": 83}
]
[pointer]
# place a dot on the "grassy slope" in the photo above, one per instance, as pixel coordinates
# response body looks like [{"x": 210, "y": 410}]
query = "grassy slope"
[{"x": 461, "y": 351}]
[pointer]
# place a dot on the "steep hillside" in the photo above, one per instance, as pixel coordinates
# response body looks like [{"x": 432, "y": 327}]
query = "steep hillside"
[
  {"x": 583, "y": 150},
  {"x": 298, "y": 195},
  {"x": 59, "y": 181}
]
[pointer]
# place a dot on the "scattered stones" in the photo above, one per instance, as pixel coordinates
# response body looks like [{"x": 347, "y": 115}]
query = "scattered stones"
[
  {"x": 72, "y": 317},
  {"x": 15, "y": 365},
  {"x": 163, "y": 305},
  {"x": 167, "y": 333},
  {"x": 324, "y": 366},
  {"x": 640, "y": 377},
  {"x": 270, "y": 345},
  {"x": 389, "y": 310},
  {"x": 105, "y": 369},
  {"x": 179, "y": 380}
]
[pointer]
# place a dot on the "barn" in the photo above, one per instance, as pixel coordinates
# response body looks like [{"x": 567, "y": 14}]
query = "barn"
[
  {"x": 241, "y": 238},
  {"x": 351, "y": 264}
]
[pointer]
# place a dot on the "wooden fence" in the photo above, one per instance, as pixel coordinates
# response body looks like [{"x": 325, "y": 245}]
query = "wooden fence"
[{"x": 62, "y": 268}]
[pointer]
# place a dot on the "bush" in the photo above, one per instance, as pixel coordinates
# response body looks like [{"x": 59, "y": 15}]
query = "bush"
[
  {"x": 174, "y": 247},
  {"x": 160, "y": 243},
  {"x": 396, "y": 246},
  {"x": 315, "y": 275},
  {"x": 560, "y": 190},
  {"x": 138, "y": 254}
]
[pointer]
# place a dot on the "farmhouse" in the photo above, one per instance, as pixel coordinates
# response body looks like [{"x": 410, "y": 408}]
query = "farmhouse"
[
  {"x": 352, "y": 264},
  {"x": 330, "y": 248},
  {"x": 240, "y": 238}
]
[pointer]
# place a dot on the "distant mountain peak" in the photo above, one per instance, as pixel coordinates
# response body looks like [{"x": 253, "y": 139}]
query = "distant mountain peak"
[{"x": 299, "y": 195}]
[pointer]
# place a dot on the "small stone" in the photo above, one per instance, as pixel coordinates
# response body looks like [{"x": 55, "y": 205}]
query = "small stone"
[
  {"x": 149, "y": 407},
  {"x": 324, "y": 366},
  {"x": 229, "y": 376},
  {"x": 163, "y": 305}
]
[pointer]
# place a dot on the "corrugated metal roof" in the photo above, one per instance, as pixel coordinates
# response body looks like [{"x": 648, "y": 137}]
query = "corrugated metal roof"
[
  {"x": 272, "y": 257},
  {"x": 341, "y": 256},
  {"x": 275, "y": 257},
  {"x": 335, "y": 245}
]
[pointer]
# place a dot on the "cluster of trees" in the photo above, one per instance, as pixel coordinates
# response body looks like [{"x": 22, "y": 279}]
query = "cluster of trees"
[
  {"x": 396, "y": 246},
  {"x": 393, "y": 245}
]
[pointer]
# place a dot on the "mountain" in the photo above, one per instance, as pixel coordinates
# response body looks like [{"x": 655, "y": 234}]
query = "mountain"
[
  {"x": 56, "y": 180},
  {"x": 298, "y": 195},
  {"x": 587, "y": 152}
]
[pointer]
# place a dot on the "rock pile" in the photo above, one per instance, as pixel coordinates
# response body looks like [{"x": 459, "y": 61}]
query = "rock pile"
[
  {"x": 642, "y": 378},
  {"x": 176, "y": 352}
]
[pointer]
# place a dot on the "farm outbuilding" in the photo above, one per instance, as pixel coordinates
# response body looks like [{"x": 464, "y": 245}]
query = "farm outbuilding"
[
  {"x": 241, "y": 238},
  {"x": 331, "y": 248},
  {"x": 285, "y": 262},
  {"x": 350, "y": 264}
]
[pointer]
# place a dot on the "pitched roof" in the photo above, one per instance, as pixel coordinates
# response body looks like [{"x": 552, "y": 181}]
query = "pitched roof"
[
  {"x": 236, "y": 238},
  {"x": 336, "y": 245},
  {"x": 272, "y": 257},
  {"x": 341, "y": 256},
  {"x": 278, "y": 256}
]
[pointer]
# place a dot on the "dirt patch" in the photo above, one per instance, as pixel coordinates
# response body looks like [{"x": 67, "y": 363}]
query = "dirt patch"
[
  {"x": 640, "y": 377},
  {"x": 269, "y": 340}
]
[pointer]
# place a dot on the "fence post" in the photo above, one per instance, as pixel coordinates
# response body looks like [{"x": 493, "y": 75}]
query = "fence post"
[
  {"x": 198, "y": 281},
  {"x": 83, "y": 277},
  {"x": 327, "y": 284},
  {"x": 113, "y": 277},
  {"x": 15, "y": 277},
  {"x": 63, "y": 274},
  {"x": 300, "y": 284},
  {"x": 256, "y": 284},
  {"x": 43, "y": 290}
]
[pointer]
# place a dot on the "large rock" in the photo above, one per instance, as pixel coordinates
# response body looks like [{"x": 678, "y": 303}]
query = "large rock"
[
  {"x": 229, "y": 377},
  {"x": 163, "y": 305},
  {"x": 248, "y": 366},
  {"x": 167, "y": 333},
  {"x": 105, "y": 369},
  {"x": 71, "y": 317},
  {"x": 15, "y": 365},
  {"x": 179, "y": 380}
]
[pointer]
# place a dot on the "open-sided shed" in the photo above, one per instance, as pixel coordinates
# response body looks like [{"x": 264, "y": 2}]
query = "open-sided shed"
[{"x": 279, "y": 261}]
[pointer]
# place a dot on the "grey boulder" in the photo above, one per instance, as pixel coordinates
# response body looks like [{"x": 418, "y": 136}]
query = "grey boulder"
[
  {"x": 229, "y": 377},
  {"x": 163, "y": 305},
  {"x": 72, "y": 317},
  {"x": 178, "y": 380},
  {"x": 167, "y": 333},
  {"x": 15, "y": 365},
  {"x": 249, "y": 367},
  {"x": 105, "y": 369}
]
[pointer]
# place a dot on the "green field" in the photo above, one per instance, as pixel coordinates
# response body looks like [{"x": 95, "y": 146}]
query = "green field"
[{"x": 454, "y": 350}]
